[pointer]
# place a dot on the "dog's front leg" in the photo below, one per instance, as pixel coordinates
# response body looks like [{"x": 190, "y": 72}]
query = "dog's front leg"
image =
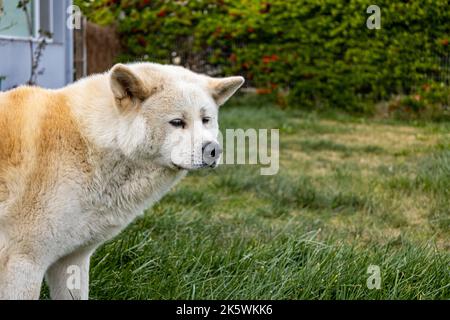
[
  {"x": 20, "y": 278},
  {"x": 68, "y": 277}
]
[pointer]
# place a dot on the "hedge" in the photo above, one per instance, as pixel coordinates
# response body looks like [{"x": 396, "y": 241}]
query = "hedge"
[{"x": 312, "y": 53}]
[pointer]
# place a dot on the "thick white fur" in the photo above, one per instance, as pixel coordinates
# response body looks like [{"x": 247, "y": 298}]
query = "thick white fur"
[{"x": 131, "y": 158}]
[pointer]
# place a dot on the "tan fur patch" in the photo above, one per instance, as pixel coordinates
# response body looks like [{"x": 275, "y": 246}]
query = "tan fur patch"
[
  {"x": 40, "y": 138},
  {"x": 11, "y": 122}
]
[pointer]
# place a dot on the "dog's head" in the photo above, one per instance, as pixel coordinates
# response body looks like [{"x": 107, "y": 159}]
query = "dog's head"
[{"x": 172, "y": 111}]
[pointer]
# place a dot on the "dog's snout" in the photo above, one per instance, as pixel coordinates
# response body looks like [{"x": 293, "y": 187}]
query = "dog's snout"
[{"x": 211, "y": 152}]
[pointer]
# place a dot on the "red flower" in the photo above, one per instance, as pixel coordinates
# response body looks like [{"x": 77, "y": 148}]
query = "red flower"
[
  {"x": 162, "y": 13},
  {"x": 233, "y": 57},
  {"x": 250, "y": 30},
  {"x": 246, "y": 65},
  {"x": 266, "y": 59},
  {"x": 444, "y": 42}
]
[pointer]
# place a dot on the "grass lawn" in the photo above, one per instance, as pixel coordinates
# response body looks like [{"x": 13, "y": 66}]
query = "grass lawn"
[{"x": 350, "y": 192}]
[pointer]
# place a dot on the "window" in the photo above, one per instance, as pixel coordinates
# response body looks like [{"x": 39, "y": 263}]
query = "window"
[
  {"x": 46, "y": 16},
  {"x": 13, "y": 21}
]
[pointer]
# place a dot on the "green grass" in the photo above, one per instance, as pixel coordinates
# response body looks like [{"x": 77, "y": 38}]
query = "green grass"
[{"x": 351, "y": 192}]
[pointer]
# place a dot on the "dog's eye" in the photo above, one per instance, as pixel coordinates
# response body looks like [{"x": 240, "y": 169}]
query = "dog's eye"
[
  {"x": 178, "y": 123},
  {"x": 206, "y": 120}
]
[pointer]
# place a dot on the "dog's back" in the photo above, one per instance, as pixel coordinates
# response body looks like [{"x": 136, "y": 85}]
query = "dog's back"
[{"x": 38, "y": 137}]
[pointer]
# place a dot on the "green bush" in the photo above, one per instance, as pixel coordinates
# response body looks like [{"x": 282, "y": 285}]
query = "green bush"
[
  {"x": 314, "y": 52},
  {"x": 430, "y": 101}
]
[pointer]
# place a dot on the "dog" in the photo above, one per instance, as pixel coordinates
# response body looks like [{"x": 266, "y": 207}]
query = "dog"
[{"x": 78, "y": 164}]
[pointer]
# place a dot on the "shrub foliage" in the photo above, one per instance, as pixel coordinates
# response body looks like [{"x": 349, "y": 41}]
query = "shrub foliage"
[{"x": 311, "y": 53}]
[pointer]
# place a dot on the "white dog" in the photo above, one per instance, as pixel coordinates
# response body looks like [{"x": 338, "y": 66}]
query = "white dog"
[{"x": 78, "y": 164}]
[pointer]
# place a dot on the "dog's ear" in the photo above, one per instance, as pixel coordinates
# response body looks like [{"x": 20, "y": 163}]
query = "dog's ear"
[
  {"x": 223, "y": 88},
  {"x": 129, "y": 91}
]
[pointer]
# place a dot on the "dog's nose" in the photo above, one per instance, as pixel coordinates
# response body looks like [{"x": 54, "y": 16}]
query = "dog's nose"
[{"x": 211, "y": 152}]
